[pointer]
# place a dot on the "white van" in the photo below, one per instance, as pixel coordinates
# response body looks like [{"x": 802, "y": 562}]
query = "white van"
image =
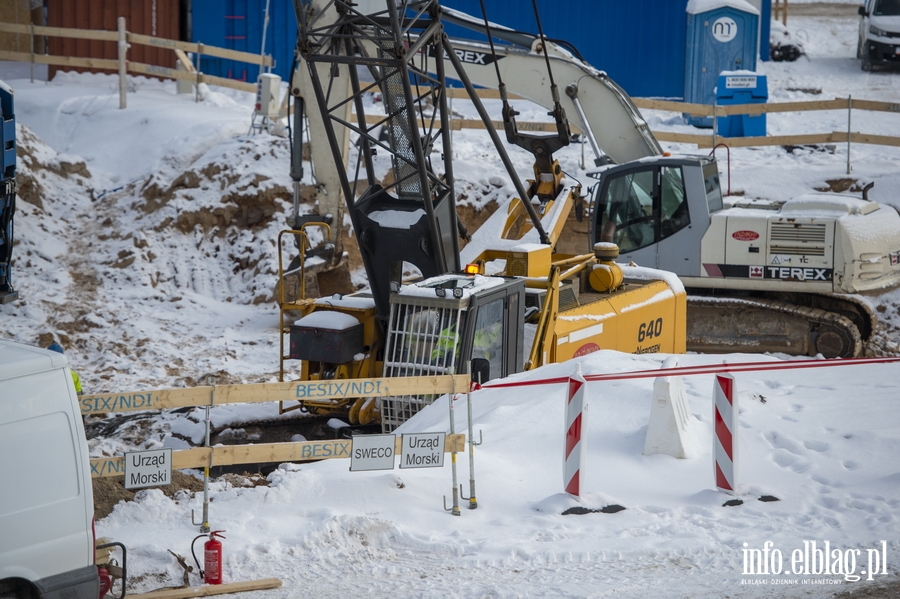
[
  {"x": 46, "y": 498},
  {"x": 879, "y": 34}
]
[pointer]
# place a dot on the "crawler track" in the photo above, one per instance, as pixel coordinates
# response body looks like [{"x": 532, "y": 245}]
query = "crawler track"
[{"x": 808, "y": 325}]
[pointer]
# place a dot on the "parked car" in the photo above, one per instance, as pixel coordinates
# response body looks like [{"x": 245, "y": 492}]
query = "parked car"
[{"x": 879, "y": 34}]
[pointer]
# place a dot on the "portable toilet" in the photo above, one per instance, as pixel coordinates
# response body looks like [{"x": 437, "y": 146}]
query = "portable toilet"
[{"x": 722, "y": 35}]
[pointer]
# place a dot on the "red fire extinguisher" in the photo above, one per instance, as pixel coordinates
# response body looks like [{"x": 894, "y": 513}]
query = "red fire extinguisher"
[
  {"x": 105, "y": 581},
  {"x": 212, "y": 558}
]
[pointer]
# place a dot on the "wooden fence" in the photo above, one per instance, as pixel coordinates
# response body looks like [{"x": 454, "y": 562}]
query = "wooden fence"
[
  {"x": 200, "y": 457},
  {"x": 124, "y": 38},
  {"x": 710, "y": 140}
]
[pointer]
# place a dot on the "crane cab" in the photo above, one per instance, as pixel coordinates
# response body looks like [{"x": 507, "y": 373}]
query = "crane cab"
[{"x": 438, "y": 326}]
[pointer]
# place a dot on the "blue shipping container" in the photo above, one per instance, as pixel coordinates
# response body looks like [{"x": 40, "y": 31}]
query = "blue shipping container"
[
  {"x": 238, "y": 25},
  {"x": 639, "y": 43}
]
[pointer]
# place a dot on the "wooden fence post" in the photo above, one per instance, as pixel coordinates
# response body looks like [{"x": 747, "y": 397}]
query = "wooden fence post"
[
  {"x": 849, "y": 110},
  {"x": 31, "y": 49},
  {"x": 123, "y": 50},
  {"x": 199, "y": 73}
]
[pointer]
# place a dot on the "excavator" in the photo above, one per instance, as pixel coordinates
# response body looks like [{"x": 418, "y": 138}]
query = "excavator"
[
  {"x": 645, "y": 203},
  {"x": 519, "y": 303},
  {"x": 781, "y": 276},
  {"x": 778, "y": 276}
]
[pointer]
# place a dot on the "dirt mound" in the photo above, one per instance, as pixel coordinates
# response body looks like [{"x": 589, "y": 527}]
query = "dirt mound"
[
  {"x": 109, "y": 491},
  {"x": 35, "y": 161}
]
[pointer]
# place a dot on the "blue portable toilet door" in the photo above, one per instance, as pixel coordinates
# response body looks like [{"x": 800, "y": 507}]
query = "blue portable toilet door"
[
  {"x": 722, "y": 35},
  {"x": 723, "y": 42}
]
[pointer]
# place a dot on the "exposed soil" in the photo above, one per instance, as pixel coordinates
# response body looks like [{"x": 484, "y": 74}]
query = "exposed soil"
[
  {"x": 109, "y": 491},
  {"x": 889, "y": 589}
]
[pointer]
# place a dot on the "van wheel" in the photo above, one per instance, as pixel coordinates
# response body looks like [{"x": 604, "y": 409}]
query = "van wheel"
[
  {"x": 14, "y": 590},
  {"x": 859, "y": 49}
]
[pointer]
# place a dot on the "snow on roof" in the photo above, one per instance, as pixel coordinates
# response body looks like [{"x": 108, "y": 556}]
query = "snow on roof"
[
  {"x": 18, "y": 359},
  {"x": 468, "y": 284},
  {"x": 828, "y": 204},
  {"x": 740, "y": 72},
  {"x": 327, "y": 319},
  {"x": 881, "y": 227},
  {"x": 347, "y": 301}
]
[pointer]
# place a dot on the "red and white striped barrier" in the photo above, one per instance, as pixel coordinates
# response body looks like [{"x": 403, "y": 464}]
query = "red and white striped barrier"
[
  {"x": 706, "y": 369},
  {"x": 576, "y": 422},
  {"x": 725, "y": 452}
]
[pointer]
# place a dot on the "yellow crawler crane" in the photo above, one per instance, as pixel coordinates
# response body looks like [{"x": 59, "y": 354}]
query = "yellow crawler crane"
[{"x": 509, "y": 302}]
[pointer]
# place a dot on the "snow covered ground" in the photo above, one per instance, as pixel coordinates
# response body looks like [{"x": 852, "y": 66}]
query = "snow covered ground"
[{"x": 146, "y": 245}]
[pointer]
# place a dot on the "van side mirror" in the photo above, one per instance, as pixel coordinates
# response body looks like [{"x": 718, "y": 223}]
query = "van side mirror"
[
  {"x": 862, "y": 11},
  {"x": 481, "y": 370}
]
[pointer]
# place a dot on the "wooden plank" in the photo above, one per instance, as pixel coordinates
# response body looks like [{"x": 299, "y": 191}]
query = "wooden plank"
[
  {"x": 186, "y": 61},
  {"x": 673, "y": 106},
  {"x": 690, "y": 138},
  {"x": 457, "y": 124},
  {"x": 68, "y": 61},
  {"x": 225, "y": 82},
  {"x": 777, "y": 140},
  {"x": 757, "y": 109},
  {"x": 158, "y": 42},
  {"x": 258, "y": 453},
  {"x": 868, "y": 138},
  {"x": 86, "y": 34},
  {"x": 875, "y": 105},
  {"x": 156, "y": 71},
  {"x": 211, "y": 589},
  {"x": 158, "y": 399},
  {"x": 236, "y": 55},
  {"x": 750, "y": 109},
  {"x": 136, "y": 38},
  {"x": 460, "y": 92},
  {"x": 15, "y": 28}
]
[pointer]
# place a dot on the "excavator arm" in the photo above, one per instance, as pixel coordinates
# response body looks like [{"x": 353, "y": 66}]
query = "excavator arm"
[{"x": 593, "y": 102}]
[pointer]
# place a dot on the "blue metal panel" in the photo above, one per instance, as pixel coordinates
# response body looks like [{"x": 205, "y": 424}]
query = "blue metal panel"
[
  {"x": 765, "y": 29},
  {"x": 719, "y": 39},
  {"x": 639, "y": 43},
  {"x": 7, "y": 133},
  {"x": 238, "y": 25},
  {"x": 741, "y": 89}
]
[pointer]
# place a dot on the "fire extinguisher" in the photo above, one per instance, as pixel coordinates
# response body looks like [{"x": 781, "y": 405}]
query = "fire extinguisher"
[
  {"x": 212, "y": 557},
  {"x": 105, "y": 581}
]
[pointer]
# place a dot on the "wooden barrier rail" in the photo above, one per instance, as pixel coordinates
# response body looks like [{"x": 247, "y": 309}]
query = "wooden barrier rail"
[
  {"x": 757, "y": 109},
  {"x": 135, "y": 67},
  {"x": 158, "y": 399},
  {"x": 258, "y": 453},
  {"x": 303, "y": 451}
]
